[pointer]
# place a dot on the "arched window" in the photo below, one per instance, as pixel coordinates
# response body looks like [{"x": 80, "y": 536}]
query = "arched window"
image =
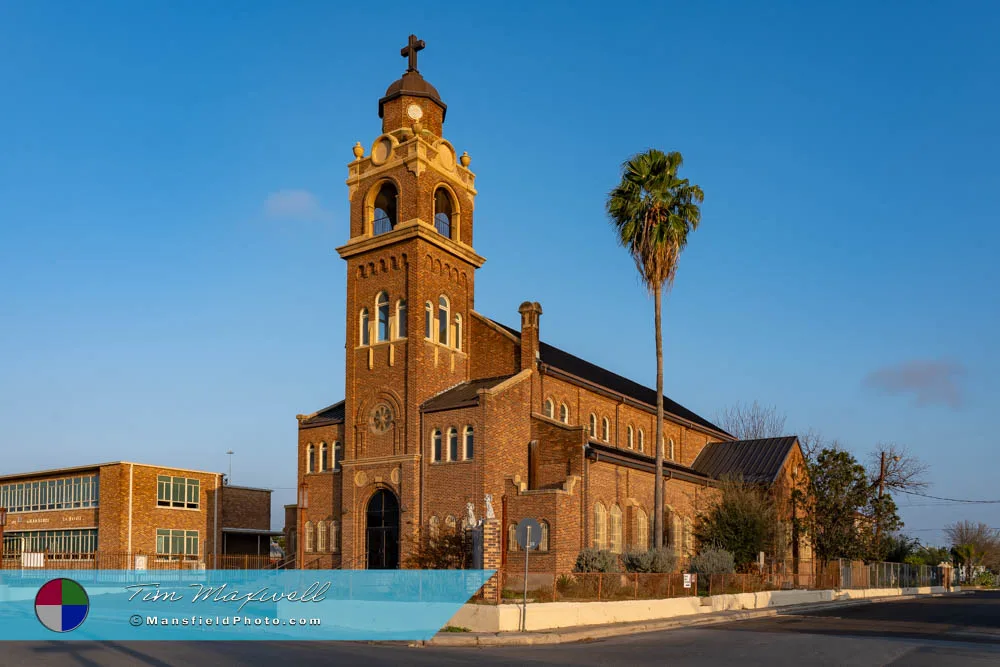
[
  {"x": 543, "y": 541},
  {"x": 670, "y": 449},
  {"x": 401, "y": 318},
  {"x": 384, "y": 216},
  {"x": 452, "y": 444},
  {"x": 324, "y": 461},
  {"x": 458, "y": 331},
  {"x": 310, "y": 537},
  {"x": 615, "y": 543},
  {"x": 428, "y": 320},
  {"x": 630, "y": 435},
  {"x": 593, "y": 425},
  {"x": 443, "y": 211},
  {"x": 605, "y": 429},
  {"x": 436, "y": 440},
  {"x": 310, "y": 458},
  {"x": 642, "y": 441},
  {"x": 469, "y": 446},
  {"x": 434, "y": 528},
  {"x": 641, "y": 529},
  {"x": 338, "y": 455},
  {"x": 600, "y": 526},
  {"x": 321, "y": 536},
  {"x": 512, "y": 538},
  {"x": 443, "y": 309},
  {"x": 364, "y": 328},
  {"x": 335, "y": 536},
  {"x": 563, "y": 413},
  {"x": 549, "y": 409},
  {"x": 382, "y": 309}
]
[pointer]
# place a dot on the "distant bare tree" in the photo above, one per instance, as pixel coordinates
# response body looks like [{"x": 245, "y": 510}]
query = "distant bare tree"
[
  {"x": 751, "y": 422},
  {"x": 976, "y": 543},
  {"x": 903, "y": 470}
]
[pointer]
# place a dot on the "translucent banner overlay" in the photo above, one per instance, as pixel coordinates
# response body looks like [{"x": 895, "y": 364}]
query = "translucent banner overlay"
[{"x": 228, "y": 605}]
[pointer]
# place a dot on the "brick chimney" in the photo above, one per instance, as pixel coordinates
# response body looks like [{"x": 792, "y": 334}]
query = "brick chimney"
[{"x": 530, "y": 313}]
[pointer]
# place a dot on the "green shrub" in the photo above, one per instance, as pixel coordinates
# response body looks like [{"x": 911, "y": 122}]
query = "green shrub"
[
  {"x": 652, "y": 560},
  {"x": 713, "y": 561},
  {"x": 595, "y": 560}
]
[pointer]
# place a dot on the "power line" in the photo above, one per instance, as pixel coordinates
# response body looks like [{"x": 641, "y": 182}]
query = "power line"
[{"x": 950, "y": 500}]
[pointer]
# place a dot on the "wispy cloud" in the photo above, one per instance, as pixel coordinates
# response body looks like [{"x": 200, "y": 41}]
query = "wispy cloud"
[
  {"x": 295, "y": 205},
  {"x": 929, "y": 382}
]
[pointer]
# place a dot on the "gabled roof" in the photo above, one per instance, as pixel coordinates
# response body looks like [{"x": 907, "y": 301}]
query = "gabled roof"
[
  {"x": 585, "y": 370},
  {"x": 331, "y": 414},
  {"x": 461, "y": 396},
  {"x": 756, "y": 461}
]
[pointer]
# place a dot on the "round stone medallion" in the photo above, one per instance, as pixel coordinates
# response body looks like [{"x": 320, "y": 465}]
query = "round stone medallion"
[{"x": 380, "y": 420}]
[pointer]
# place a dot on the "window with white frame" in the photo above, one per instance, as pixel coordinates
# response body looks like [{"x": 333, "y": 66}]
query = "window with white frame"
[
  {"x": 543, "y": 541},
  {"x": 324, "y": 461},
  {"x": 438, "y": 453},
  {"x": 338, "y": 455},
  {"x": 444, "y": 311},
  {"x": 428, "y": 321},
  {"x": 321, "y": 536},
  {"x": 469, "y": 445},
  {"x": 630, "y": 436},
  {"x": 177, "y": 492},
  {"x": 176, "y": 544},
  {"x": 335, "y": 536},
  {"x": 310, "y": 537},
  {"x": 670, "y": 449},
  {"x": 641, "y": 529},
  {"x": 382, "y": 311},
  {"x": 453, "y": 444},
  {"x": 605, "y": 429},
  {"x": 564, "y": 413},
  {"x": 401, "y": 318},
  {"x": 549, "y": 409},
  {"x": 600, "y": 537},
  {"x": 53, "y": 494},
  {"x": 642, "y": 441},
  {"x": 364, "y": 327},
  {"x": 615, "y": 541},
  {"x": 593, "y": 425},
  {"x": 458, "y": 331},
  {"x": 310, "y": 458}
]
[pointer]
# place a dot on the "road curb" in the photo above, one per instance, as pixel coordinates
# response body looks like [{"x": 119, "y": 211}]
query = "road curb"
[{"x": 590, "y": 633}]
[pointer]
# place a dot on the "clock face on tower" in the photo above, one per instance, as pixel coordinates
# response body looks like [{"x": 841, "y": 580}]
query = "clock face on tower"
[
  {"x": 414, "y": 112},
  {"x": 381, "y": 418}
]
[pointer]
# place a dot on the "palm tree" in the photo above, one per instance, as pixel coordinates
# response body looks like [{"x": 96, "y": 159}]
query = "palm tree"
[{"x": 653, "y": 211}]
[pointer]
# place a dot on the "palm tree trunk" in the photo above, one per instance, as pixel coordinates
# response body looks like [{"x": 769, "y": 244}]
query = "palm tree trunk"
[{"x": 658, "y": 489}]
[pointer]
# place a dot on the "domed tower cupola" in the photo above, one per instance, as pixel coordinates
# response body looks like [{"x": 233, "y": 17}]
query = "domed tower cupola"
[{"x": 411, "y": 99}]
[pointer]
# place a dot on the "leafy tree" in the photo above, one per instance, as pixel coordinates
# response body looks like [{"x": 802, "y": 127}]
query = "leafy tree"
[
  {"x": 743, "y": 522},
  {"x": 925, "y": 555},
  {"x": 899, "y": 548},
  {"x": 839, "y": 492},
  {"x": 653, "y": 210}
]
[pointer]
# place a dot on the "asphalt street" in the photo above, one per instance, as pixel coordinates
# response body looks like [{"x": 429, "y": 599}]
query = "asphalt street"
[{"x": 951, "y": 630}]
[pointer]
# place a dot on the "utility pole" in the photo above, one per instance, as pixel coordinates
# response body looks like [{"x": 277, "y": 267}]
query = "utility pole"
[{"x": 881, "y": 493}]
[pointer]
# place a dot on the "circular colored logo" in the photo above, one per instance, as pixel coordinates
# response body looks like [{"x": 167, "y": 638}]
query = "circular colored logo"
[{"x": 61, "y": 605}]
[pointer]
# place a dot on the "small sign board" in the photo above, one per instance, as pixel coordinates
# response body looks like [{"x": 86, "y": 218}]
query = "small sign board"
[
  {"x": 522, "y": 536},
  {"x": 687, "y": 581},
  {"x": 140, "y": 562}
]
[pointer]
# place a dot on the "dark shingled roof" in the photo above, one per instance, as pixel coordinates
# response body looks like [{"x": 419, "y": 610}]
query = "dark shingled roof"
[
  {"x": 461, "y": 396},
  {"x": 574, "y": 365},
  {"x": 331, "y": 413},
  {"x": 755, "y": 460}
]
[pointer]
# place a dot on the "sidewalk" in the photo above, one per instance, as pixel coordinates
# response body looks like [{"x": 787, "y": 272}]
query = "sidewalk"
[{"x": 590, "y": 632}]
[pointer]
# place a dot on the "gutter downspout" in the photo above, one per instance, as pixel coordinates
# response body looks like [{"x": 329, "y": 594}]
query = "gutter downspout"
[{"x": 131, "y": 467}]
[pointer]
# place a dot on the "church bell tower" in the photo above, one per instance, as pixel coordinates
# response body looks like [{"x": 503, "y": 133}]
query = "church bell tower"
[{"x": 410, "y": 287}]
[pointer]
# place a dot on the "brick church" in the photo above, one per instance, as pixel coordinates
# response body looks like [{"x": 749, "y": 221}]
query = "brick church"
[{"x": 448, "y": 412}]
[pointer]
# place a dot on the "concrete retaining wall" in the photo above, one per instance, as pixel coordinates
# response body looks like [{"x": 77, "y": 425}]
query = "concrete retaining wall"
[{"x": 552, "y": 615}]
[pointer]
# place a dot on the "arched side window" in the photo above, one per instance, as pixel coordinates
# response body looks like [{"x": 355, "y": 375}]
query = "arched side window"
[
  {"x": 593, "y": 425},
  {"x": 310, "y": 458},
  {"x": 401, "y": 318},
  {"x": 321, "y": 536},
  {"x": 310, "y": 537},
  {"x": 382, "y": 309},
  {"x": 600, "y": 539},
  {"x": 543, "y": 541},
  {"x": 338, "y": 455},
  {"x": 605, "y": 429},
  {"x": 364, "y": 328},
  {"x": 452, "y": 444},
  {"x": 642, "y": 441},
  {"x": 458, "y": 331},
  {"x": 563, "y": 413},
  {"x": 324, "y": 454},
  {"x": 434, "y": 528},
  {"x": 443, "y": 212},
  {"x": 444, "y": 308},
  {"x": 641, "y": 529},
  {"x": 670, "y": 449},
  {"x": 630, "y": 435},
  {"x": 436, "y": 442},
  {"x": 512, "y": 538},
  {"x": 469, "y": 445},
  {"x": 428, "y": 321},
  {"x": 335, "y": 537},
  {"x": 615, "y": 541},
  {"x": 384, "y": 215},
  {"x": 549, "y": 409}
]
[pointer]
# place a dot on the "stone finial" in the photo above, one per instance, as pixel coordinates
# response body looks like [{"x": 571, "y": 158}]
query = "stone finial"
[
  {"x": 465, "y": 159},
  {"x": 359, "y": 150},
  {"x": 489, "y": 506}
]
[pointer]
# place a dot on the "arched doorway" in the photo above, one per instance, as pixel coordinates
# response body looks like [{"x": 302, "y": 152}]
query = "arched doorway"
[{"x": 382, "y": 519}]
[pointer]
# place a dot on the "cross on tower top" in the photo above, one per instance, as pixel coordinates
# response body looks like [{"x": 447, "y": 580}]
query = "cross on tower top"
[{"x": 410, "y": 51}]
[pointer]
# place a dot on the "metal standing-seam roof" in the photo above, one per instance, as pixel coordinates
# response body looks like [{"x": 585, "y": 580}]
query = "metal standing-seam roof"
[{"x": 756, "y": 461}]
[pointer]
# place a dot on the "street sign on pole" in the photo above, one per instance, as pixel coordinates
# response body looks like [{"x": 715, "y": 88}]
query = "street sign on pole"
[{"x": 528, "y": 534}]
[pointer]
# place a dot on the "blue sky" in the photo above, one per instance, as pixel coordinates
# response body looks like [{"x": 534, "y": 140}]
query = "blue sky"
[{"x": 172, "y": 191}]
